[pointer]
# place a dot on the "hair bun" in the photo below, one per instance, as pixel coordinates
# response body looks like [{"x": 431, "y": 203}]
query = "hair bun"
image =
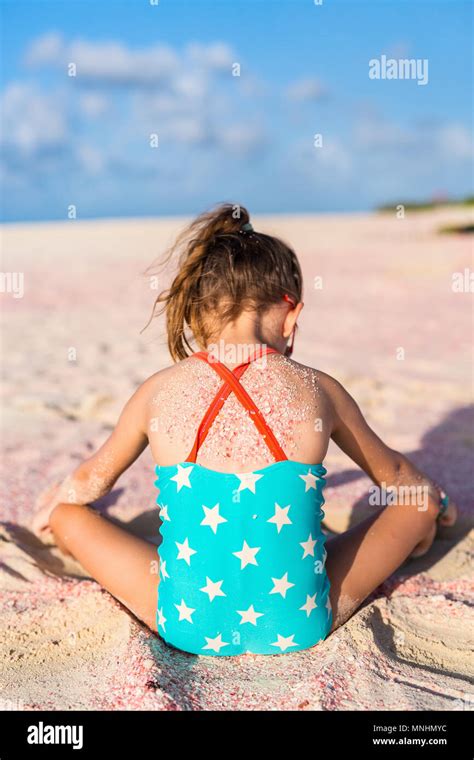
[{"x": 226, "y": 219}]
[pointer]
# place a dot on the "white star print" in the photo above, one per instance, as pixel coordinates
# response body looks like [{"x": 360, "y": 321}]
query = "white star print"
[
  {"x": 164, "y": 513},
  {"x": 284, "y": 642},
  {"x": 184, "y": 551},
  {"x": 328, "y": 606},
  {"x": 163, "y": 569},
  {"x": 213, "y": 589},
  {"x": 309, "y": 479},
  {"x": 308, "y": 546},
  {"x": 247, "y": 555},
  {"x": 212, "y": 518},
  {"x": 161, "y": 618},
  {"x": 215, "y": 644},
  {"x": 248, "y": 480},
  {"x": 250, "y": 615},
  {"x": 309, "y": 605},
  {"x": 280, "y": 518},
  {"x": 281, "y": 585},
  {"x": 185, "y": 612},
  {"x": 182, "y": 477}
]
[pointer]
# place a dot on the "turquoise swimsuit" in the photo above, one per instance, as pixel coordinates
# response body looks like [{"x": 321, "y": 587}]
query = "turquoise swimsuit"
[{"x": 242, "y": 557}]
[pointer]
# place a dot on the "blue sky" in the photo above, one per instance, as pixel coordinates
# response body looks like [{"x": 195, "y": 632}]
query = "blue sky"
[{"x": 166, "y": 70}]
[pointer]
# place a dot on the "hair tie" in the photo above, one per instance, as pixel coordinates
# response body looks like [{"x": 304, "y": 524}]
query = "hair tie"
[{"x": 247, "y": 227}]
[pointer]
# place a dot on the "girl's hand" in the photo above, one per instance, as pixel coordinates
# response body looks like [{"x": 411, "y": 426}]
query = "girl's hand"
[
  {"x": 450, "y": 516},
  {"x": 446, "y": 521},
  {"x": 45, "y": 504}
]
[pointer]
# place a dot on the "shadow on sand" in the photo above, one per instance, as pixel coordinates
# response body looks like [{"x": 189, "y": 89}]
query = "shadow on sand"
[{"x": 446, "y": 454}]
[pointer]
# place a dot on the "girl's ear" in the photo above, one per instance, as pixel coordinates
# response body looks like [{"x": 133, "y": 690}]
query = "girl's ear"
[{"x": 291, "y": 319}]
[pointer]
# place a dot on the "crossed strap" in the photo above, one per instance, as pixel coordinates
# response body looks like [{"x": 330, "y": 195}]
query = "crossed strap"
[{"x": 232, "y": 384}]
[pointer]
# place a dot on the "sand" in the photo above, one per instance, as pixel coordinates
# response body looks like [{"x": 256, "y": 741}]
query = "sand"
[{"x": 73, "y": 354}]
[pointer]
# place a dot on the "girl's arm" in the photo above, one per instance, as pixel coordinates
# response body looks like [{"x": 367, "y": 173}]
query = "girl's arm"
[
  {"x": 413, "y": 493},
  {"x": 96, "y": 476}
]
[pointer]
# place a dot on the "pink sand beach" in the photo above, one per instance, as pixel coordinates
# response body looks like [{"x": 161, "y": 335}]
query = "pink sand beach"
[{"x": 382, "y": 316}]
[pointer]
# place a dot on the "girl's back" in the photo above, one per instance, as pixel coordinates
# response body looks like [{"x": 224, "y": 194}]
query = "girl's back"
[
  {"x": 249, "y": 535},
  {"x": 291, "y": 397}
]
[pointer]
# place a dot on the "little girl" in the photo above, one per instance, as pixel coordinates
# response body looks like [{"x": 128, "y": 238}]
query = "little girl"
[{"x": 239, "y": 433}]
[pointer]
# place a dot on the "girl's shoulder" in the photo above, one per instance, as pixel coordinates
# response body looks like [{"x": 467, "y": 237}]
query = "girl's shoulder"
[
  {"x": 328, "y": 388},
  {"x": 168, "y": 377},
  {"x": 323, "y": 380}
]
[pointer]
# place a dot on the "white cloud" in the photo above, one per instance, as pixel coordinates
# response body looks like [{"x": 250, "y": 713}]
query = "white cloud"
[
  {"x": 45, "y": 50},
  {"x": 385, "y": 158},
  {"x": 187, "y": 97},
  {"x": 218, "y": 55},
  {"x": 455, "y": 140},
  {"x": 243, "y": 139},
  {"x": 432, "y": 140},
  {"x": 32, "y": 121},
  {"x": 334, "y": 156},
  {"x": 93, "y": 104},
  {"x": 113, "y": 63},
  {"x": 374, "y": 132},
  {"x": 307, "y": 90},
  {"x": 192, "y": 85},
  {"x": 251, "y": 86},
  {"x": 187, "y": 130},
  {"x": 320, "y": 167},
  {"x": 106, "y": 62}
]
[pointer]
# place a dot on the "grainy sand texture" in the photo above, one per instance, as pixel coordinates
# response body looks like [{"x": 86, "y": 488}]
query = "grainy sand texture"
[{"x": 386, "y": 322}]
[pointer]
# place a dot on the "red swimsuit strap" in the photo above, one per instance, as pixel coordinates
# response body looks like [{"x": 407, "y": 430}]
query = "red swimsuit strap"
[
  {"x": 213, "y": 410},
  {"x": 232, "y": 383}
]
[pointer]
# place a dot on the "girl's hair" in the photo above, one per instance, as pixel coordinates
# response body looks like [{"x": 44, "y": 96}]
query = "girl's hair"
[{"x": 223, "y": 270}]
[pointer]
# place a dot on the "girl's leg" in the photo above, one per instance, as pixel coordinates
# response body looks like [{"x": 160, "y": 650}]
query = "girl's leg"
[
  {"x": 362, "y": 558},
  {"x": 123, "y": 564}
]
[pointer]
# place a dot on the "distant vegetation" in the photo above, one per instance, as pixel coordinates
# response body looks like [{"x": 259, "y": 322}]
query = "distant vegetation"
[
  {"x": 426, "y": 205},
  {"x": 457, "y": 229}
]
